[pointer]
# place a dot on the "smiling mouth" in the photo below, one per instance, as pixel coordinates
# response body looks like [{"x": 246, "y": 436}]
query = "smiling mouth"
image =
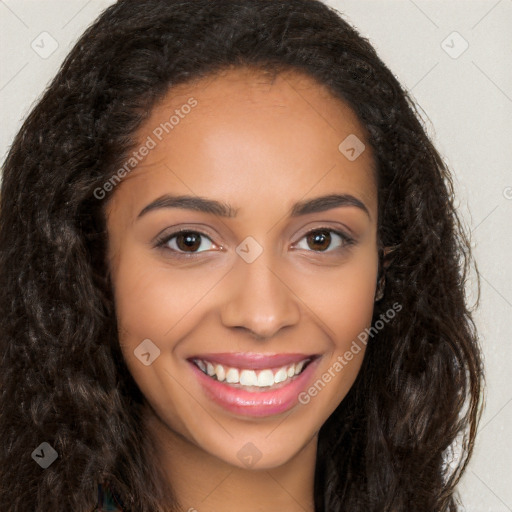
[{"x": 250, "y": 379}]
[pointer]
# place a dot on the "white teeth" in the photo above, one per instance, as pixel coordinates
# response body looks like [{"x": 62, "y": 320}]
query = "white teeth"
[
  {"x": 248, "y": 378},
  {"x": 298, "y": 367},
  {"x": 264, "y": 378},
  {"x": 220, "y": 372},
  {"x": 232, "y": 376},
  {"x": 281, "y": 375}
]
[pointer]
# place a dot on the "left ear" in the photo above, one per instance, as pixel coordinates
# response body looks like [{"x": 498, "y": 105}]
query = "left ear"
[{"x": 384, "y": 263}]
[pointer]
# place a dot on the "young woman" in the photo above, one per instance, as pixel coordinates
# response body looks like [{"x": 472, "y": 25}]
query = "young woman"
[{"x": 231, "y": 275}]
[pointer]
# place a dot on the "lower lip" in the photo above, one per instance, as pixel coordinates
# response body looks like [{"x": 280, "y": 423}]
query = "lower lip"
[{"x": 257, "y": 403}]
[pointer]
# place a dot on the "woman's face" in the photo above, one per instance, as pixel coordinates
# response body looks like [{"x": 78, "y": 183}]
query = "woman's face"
[{"x": 266, "y": 277}]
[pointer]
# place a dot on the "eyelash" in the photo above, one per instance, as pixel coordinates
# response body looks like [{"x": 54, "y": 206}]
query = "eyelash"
[{"x": 162, "y": 241}]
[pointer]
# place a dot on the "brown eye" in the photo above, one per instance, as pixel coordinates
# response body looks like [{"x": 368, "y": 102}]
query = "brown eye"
[
  {"x": 319, "y": 240},
  {"x": 186, "y": 242}
]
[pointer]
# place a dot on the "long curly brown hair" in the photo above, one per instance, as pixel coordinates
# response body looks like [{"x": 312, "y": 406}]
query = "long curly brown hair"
[{"x": 62, "y": 375}]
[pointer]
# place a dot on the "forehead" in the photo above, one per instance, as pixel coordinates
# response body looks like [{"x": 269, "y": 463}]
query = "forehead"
[{"x": 242, "y": 131}]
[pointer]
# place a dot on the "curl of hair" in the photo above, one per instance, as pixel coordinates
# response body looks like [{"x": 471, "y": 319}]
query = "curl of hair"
[{"x": 62, "y": 375}]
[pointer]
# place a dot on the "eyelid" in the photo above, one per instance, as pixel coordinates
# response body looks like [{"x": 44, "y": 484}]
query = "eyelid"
[
  {"x": 347, "y": 239},
  {"x": 161, "y": 240},
  {"x": 344, "y": 233}
]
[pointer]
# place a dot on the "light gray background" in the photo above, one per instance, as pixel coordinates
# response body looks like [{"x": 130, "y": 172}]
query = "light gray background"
[{"x": 466, "y": 102}]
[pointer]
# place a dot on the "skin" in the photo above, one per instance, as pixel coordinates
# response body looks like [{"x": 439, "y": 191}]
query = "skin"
[{"x": 259, "y": 146}]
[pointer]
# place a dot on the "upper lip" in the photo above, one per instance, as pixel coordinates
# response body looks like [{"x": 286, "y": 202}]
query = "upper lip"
[{"x": 253, "y": 360}]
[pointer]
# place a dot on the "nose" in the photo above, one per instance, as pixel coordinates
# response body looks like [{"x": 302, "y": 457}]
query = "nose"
[{"x": 260, "y": 299}]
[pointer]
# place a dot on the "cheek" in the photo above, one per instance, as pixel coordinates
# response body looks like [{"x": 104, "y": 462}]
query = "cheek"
[
  {"x": 156, "y": 304},
  {"x": 153, "y": 302},
  {"x": 343, "y": 299},
  {"x": 351, "y": 306}
]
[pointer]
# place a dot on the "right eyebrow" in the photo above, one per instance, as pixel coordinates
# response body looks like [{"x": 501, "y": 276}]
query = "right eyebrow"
[{"x": 202, "y": 204}]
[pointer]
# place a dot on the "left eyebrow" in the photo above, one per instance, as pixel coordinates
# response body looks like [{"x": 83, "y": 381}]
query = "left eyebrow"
[
  {"x": 318, "y": 204},
  {"x": 324, "y": 203}
]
